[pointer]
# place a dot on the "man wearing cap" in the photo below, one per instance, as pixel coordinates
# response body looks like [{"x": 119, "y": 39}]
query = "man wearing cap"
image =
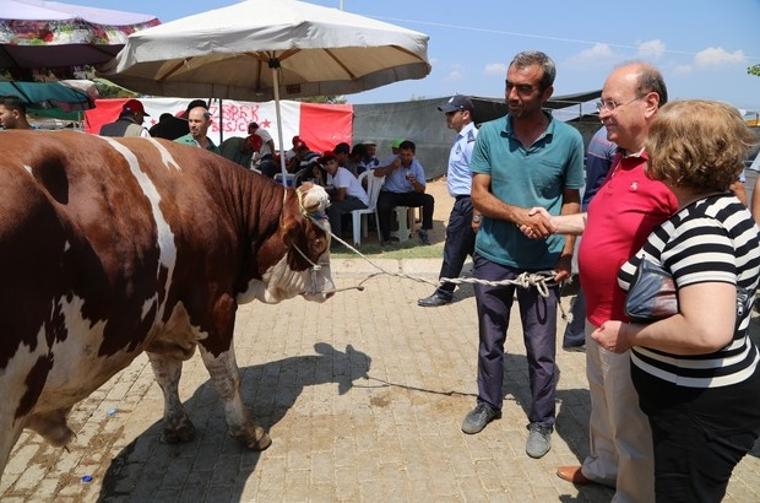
[
  {"x": 290, "y": 154},
  {"x": 198, "y": 119},
  {"x": 395, "y": 144},
  {"x": 241, "y": 150},
  {"x": 460, "y": 236},
  {"x": 267, "y": 143},
  {"x": 129, "y": 122}
]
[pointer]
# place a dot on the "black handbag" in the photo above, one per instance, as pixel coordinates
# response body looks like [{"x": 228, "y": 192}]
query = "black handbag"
[{"x": 652, "y": 295}]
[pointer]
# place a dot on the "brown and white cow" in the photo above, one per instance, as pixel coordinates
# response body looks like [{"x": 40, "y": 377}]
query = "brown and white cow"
[{"x": 109, "y": 248}]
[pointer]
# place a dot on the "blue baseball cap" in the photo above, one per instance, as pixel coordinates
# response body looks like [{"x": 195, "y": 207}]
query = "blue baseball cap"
[{"x": 456, "y": 102}]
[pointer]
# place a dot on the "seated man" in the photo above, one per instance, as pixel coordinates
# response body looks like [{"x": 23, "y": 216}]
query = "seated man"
[
  {"x": 346, "y": 193},
  {"x": 342, "y": 152},
  {"x": 268, "y": 165},
  {"x": 304, "y": 158},
  {"x": 395, "y": 144},
  {"x": 354, "y": 160},
  {"x": 290, "y": 154},
  {"x": 404, "y": 186},
  {"x": 370, "y": 160}
]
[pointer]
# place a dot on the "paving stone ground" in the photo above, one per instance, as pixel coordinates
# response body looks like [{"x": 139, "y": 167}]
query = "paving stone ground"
[{"x": 363, "y": 396}]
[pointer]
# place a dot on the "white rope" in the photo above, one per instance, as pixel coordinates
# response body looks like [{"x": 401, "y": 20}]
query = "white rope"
[{"x": 542, "y": 281}]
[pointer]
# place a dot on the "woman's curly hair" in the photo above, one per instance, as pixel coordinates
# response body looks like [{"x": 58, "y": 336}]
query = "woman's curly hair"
[{"x": 698, "y": 144}]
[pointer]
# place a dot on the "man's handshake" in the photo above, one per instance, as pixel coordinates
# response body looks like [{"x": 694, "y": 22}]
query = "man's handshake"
[{"x": 536, "y": 223}]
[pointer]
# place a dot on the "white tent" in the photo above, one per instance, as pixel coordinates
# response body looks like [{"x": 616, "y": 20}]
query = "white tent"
[{"x": 259, "y": 50}]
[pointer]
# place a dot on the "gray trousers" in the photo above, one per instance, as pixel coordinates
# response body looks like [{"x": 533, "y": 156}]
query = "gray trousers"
[{"x": 539, "y": 322}]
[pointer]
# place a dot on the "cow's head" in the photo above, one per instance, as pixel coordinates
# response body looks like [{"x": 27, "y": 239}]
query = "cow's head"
[{"x": 302, "y": 249}]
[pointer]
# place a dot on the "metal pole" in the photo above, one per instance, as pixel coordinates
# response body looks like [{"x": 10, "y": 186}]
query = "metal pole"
[
  {"x": 341, "y": 4},
  {"x": 221, "y": 124},
  {"x": 274, "y": 64}
]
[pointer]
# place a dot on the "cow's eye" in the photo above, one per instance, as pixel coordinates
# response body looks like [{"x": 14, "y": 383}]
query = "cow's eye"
[{"x": 317, "y": 245}]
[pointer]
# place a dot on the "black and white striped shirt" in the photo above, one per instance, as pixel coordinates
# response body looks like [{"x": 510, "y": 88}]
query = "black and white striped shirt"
[{"x": 713, "y": 239}]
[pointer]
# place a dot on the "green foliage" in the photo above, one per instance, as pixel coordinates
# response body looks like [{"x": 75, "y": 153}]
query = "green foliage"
[{"x": 754, "y": 70}]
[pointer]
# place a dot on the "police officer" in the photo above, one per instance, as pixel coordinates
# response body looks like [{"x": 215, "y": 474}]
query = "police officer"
[{"x": 460, "y": 233}]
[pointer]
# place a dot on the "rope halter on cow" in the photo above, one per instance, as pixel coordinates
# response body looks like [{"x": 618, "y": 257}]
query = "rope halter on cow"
[{"x": 313, "y": 200}]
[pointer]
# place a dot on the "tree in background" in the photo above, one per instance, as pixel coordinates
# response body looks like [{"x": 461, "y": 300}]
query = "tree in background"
[{"x": 754, "y": 70}]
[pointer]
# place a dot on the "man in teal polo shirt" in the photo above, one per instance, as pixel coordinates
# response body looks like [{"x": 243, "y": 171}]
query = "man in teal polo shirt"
[
  {"x": 522, "y": 160},
  {"x": 198, "y": 120}
]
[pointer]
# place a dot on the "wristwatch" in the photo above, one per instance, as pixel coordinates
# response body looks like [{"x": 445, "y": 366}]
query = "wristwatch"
[{"x": 476, "y": 218}]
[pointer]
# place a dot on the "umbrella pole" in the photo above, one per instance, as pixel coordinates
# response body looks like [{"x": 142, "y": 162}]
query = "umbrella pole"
[
  {"x": 274, "y": 64},
  {"x": 221, "y": 123}
]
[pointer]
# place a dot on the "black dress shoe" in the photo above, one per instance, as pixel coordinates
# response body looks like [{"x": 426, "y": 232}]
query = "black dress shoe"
[
  {"x": 433, "y": 301},
  {"x": 479, "y": 417}
]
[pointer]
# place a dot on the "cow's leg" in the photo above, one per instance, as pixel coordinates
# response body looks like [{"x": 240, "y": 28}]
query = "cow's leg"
[
  {"x": 9, "y": 433},
  {"x": 177, "y": 424},
  {"x": 226, "y": 377}
]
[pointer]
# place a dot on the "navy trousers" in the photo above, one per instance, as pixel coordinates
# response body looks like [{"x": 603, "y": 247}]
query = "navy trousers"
[
  {"x": 539, "y": 322},
  {"x": 575, "y": 331},
  {"x": 387, "y": 201},
  {"x": 460, "y": 242}
]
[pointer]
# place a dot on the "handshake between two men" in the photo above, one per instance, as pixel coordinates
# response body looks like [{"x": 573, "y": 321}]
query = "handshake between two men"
[{"x": 537, "y": 223}]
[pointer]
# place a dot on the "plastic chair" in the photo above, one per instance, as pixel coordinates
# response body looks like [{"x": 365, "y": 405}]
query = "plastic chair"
[{"x": 374, "y": 184}]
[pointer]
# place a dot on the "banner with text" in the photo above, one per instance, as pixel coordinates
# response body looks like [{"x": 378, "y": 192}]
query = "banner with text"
[{"x": 320, "y": 126}]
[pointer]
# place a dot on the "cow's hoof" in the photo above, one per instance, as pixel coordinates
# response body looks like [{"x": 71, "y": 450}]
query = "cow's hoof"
[
  {"x": 255, "y": 438},
  {"x": 185, "y": 432}
]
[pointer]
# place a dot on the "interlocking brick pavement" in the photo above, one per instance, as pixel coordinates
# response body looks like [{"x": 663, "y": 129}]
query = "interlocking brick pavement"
[{"x": 363, "y": 396}]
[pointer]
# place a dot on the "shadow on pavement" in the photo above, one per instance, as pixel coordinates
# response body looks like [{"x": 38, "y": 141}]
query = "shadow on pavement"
[{"x": 214, "y": 466}]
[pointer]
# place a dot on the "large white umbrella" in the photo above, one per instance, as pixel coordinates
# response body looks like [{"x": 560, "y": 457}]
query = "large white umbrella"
[{"x": 260, "y": 50}]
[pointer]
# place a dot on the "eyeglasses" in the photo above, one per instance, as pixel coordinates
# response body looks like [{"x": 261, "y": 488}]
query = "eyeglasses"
[{"x": 611, "y": 106}]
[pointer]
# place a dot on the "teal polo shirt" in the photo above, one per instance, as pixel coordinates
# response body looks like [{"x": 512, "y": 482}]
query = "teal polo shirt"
[
  {"x": 526, "y": 177},
  {"x": 189, "y": 140}
]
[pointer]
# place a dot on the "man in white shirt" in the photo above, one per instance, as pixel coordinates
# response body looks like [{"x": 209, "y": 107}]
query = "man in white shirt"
[
  {"x": 346, "y": 195},
  {"x": 267, "y": 144}
]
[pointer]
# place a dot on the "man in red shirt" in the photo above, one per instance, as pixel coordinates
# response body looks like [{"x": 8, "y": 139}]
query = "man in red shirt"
[{"x": 621, "y": 216}]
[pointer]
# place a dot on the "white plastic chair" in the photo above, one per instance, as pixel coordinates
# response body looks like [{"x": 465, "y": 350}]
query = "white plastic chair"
[{"x": 374, "y": 183}]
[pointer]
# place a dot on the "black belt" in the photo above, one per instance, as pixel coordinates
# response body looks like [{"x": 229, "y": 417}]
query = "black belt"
[{"x": 462, "y": 196}]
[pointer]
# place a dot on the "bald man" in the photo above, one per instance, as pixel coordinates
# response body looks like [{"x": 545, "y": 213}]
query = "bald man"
[{"x": 199, "y": 119}]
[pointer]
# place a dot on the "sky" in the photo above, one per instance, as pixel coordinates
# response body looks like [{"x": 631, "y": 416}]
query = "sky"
[{"x": 702, "y": 47}]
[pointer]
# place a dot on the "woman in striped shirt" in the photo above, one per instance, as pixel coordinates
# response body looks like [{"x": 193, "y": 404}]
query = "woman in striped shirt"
[{"x": 697, "y": 372}]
